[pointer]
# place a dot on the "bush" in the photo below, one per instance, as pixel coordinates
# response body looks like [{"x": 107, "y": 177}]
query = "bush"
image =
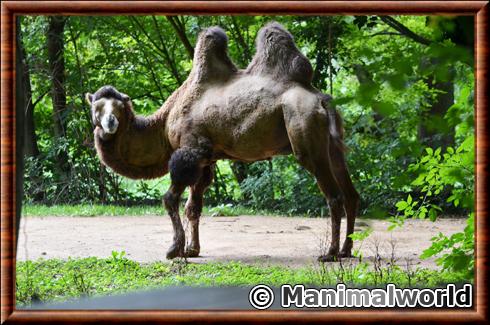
[{"x": 452, "y": 171}]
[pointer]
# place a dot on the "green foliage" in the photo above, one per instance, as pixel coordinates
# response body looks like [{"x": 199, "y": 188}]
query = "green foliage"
[
  {"x": 360, "y": 236},
  {"x": 452, "y": 171},
  {"x": 59, "y": 280},
  {"x": 227, "y": 210},
  {"x": 282, "y": 185},
  {"x": 457, "y": 250}
]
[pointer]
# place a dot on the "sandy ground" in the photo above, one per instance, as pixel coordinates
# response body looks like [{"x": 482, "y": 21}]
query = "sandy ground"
[{"x": 251, "y": 239}]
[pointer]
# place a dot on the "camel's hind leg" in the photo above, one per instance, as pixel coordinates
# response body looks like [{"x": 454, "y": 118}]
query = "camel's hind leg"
[
  {"x": 193, "y": 209},
  {"x": 352, "y": 198},
  {"x": 308, "y": 133}
]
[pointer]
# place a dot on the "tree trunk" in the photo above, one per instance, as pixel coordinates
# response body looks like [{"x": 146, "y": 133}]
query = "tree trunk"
[
  {"x": 57, "y": 71},
  {"x": 365, "y": 78},
  {"x": 323, "y": 57},
  {"x": 246, "y": 55},
  {"x": 433, "y": 130},
  {"x": 102, "y": 187},
  {"x": 25, "y": 102},
  {"x": 20, "y": 102},
  {"x": 240, "y": 170},
  {"x": 56, "y": 59}
]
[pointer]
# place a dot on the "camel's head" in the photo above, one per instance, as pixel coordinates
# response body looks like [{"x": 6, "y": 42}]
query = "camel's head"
[{"x": 108, "y": 107}]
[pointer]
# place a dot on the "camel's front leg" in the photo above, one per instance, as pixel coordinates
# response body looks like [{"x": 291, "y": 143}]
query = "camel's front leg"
[
  {"x": 185, "y": 166},
  {"x": 171, "y": 201},
  {"x": 193, "y": 209}
]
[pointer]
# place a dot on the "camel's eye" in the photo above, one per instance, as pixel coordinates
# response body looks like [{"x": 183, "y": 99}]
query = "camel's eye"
[
  {"x": 98, "y": 107},
  {"x": 117, "y": 107},
  {"x": 96, "y": 112}
]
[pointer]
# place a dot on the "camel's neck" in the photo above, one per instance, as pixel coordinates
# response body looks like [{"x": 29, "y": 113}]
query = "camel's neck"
[{"x": 139, "y": 149}]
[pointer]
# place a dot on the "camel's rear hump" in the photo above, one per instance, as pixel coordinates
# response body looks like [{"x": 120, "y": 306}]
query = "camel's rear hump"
[{"x": 277, "y": 55}]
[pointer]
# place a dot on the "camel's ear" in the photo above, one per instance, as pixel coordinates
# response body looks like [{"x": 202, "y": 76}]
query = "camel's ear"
[
  {"x": 89, "y": 97},
  {"x": 125, "y": 98}
]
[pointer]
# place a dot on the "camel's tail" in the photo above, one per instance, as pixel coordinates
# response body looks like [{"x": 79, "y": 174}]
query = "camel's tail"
[{"x": 336, "y": 127}]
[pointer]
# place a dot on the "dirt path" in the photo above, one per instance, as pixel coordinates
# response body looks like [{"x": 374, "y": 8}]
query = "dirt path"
[{"x": 251, "y": 239}]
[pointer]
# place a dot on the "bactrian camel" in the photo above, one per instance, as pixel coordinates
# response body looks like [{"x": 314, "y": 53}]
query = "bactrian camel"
[{"x": 222, "y": 112}]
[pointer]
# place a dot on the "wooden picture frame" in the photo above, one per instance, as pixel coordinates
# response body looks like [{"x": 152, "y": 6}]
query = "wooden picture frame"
[{"x": 9, "y": 201}]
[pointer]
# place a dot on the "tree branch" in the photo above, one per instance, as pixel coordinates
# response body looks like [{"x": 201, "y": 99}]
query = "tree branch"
[
  {"x": 180, "y": 30},
  {"x": 385, "y": 33},
  {"x": 40, "y": 98},
  {"x": 170, "y": 59},
  {"x": 405, "y": 31},
  {"x": 162, "y": 51}
]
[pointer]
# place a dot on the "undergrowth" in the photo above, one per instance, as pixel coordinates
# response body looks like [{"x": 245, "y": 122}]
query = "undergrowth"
[{"x": 59, "y": 280}]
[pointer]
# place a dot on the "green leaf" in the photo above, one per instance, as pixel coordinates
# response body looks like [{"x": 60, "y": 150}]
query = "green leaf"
[
  {"x": 384, "y": 108},
  {"x": 341, "y": 100},
  {"x": 401, "y": 205},
  {"x": 432, "y": 214}
]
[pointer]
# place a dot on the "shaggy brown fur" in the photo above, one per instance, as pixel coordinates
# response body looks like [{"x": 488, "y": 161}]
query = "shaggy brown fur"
[
  {"x": 211, "y": 60},
  {"x": 277, "y": 56},
  {"x": 138, "y": 150},
  {"x": 269, "y": 109}
]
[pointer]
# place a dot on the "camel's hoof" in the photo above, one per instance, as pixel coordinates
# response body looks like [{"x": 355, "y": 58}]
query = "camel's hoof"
[
  {"x": 328, "y": 258},
  {"x": 192, "y": 251},
  {"x": 175, "y": 251}
]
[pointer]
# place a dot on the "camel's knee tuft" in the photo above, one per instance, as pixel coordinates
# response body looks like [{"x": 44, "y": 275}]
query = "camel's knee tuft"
[{"x": 184, "y": 166}]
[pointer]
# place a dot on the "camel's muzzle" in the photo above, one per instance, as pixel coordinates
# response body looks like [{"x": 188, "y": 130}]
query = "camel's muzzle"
[{"x": 109, "y": 124}]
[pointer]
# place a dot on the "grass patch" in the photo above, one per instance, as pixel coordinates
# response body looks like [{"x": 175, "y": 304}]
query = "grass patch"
[
  {"x": 59, "y": 280},
  {"x": 87, "y": 210}
]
